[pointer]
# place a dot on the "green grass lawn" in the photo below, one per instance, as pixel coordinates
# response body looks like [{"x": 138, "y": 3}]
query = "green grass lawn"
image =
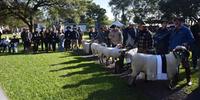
[{"x": 59, "y": 76}]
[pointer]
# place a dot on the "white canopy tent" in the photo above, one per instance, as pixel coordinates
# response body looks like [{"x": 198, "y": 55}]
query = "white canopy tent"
[{"x": 117, "y": 23}]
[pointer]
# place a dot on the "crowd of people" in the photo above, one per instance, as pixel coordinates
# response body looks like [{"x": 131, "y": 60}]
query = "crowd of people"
[
  {"x": 9, "y": 44},
  {"x": 165, "y": 39},
  {"x": 48, "y": 40}
]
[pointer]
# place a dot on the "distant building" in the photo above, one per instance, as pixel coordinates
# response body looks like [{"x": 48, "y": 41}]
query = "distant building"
[{"x": 83, "y": 26}]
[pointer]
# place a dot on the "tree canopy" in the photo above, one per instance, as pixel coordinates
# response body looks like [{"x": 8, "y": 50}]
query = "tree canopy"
[
  {"x": 134, "y": 9},
  {"x": 189, "y": 9},
  {"x": 137, "y": 10},
  {"x": 33, "y": 11}
]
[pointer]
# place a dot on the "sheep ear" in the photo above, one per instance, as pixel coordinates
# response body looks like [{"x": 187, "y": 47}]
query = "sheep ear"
[
  {"x": 187, "y": 53},
  {"x": 122, "y": 52}
]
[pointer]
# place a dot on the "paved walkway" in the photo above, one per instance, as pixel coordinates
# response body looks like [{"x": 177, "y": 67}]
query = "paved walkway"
[{"x": 2, "y": 95}]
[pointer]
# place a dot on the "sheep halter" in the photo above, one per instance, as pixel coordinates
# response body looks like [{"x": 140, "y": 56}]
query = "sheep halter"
[{"x": 175, "y": 54}]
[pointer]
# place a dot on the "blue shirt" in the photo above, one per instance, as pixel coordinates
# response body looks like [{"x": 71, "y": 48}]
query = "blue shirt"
[{"x": 180, "y": 36}]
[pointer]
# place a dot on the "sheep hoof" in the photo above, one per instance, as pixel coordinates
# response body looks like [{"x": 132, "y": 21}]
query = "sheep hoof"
[
  {"x": 171, "y": 86},
  {"x": 130, "y": 82}
]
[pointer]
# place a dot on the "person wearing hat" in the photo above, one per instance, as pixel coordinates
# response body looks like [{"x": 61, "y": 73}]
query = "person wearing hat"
[
  {"x": 54, "y": 39},
  {"x": 130, "y": 34},
  {"x": 36, "y": 41},
  {"x": 47, "y": 39},
  {"x": 42, "y": 39},
  {"x": 182, "y": 36},
  {"x": 14, "y": 43},
  {"x": 74, "y": 38},
  {"x": 196, "y": 46},
  {"x": 92, "y": 34},
  {"x": 116, "y": 37},
  {"x": 161, "y": 38},
  {"x": 68, "y": 35},
  {"x": 144, "y": 39},
  {"x": 24, "y": 35}
]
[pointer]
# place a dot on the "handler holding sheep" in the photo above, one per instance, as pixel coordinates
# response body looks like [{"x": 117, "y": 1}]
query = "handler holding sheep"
[
  {"x": 115, "y": 37},
  {"x": 181, "y": 35},
  {"x": 144, "y": 39}
]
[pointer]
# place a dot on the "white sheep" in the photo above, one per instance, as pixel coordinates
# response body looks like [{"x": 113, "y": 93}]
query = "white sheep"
[
  {"x": 94, "y": 47},
  {"x": 110, "y": 52},
  {"x": 129, "y": 54},
  {"x": 147, "y": 63},
  {"x": 86, "y": 46}
]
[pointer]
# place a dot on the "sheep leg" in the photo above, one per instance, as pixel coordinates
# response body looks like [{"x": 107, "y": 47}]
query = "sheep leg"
[
  {"x": 146, "y": 80},
  {"x": 107, "y": 59},
  {"x": 132, "y": 78},
  {"x": 173, "y": 82},
  {"x": 101, "y": 59}
]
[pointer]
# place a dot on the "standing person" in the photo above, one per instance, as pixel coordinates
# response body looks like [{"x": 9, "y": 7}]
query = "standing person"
[
  {"x": 74, "y": 38},
  {"x": 42, "y": 39},
  {"x": 105, "y": 34},
  {"x": 6, "y": 43},
  {"x": 61, "y": 40},
  {"x": 68, "y": 35},
  {"x": 100, "y": 36},
  {"x": 144, "y": 39},
  {"x": 47, "y": 39},
  {"x": 24, "y": 35},
  {"x": 115, "y": 37},
  {"x": 54, "y": 39},
  {"x": 91, "y": 31},
  {"x": 14, "y": 43},
  {"x": 36, "y": 41},
  {"x": 80, "y": 36},
  {"x": 181, "y": 35},
  {"x": 92, "y": 34},
  {"x": 161, "y": 39},
  {"x": 196, "y": 46},
  {"x": 29, "y": 40},
  {"x": 130, "y": 34}
]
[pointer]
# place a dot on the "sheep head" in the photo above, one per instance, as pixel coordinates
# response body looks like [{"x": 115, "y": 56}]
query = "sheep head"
[{"x": 181, "y": 52}]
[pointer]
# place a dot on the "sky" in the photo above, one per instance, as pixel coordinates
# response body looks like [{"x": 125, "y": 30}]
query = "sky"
[{"x": 104, "y": 4}]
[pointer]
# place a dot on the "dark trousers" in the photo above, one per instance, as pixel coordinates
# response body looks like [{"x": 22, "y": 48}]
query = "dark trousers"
[
  {"x": 195, "y": 55},
  {"x": 54, "y": 46},
  {"x": 42, "y": 44},
  {"x": 46, "y": 46},
  {"x": 35, "y": 47},
  {"x": 27, "y": 46},
  {"x": 67, "y": 44},
  {"x": 185, "y": 63}
]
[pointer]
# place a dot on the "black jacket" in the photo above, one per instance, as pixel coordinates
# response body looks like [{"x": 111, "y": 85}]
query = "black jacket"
[{"x": 161, "y": 40}]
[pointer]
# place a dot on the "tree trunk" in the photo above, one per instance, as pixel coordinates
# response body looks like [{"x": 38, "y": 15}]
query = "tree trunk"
[
  {"x": 123, "y": 17},
  {"x": 30, "y": 28},
  {"x": 31, "y": 25}
]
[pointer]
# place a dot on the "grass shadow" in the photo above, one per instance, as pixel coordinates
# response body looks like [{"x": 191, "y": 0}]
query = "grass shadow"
[
  {"x": 118, "y": 91},
  {"x": 77, "y": 60},
  {"x": 72, "y": 67},
  {"x": 195, "y": 95},
  {"x": 87, "y": 69}
]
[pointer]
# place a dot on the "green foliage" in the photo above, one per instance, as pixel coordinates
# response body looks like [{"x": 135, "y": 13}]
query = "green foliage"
[
  {"x": 8, "y": 20},
  {"x": 120, "y": 6},
  {"x": 134, "y": 8},
  {"x": 96, "y": 13},
  {"x": 182, "y": 8}
]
